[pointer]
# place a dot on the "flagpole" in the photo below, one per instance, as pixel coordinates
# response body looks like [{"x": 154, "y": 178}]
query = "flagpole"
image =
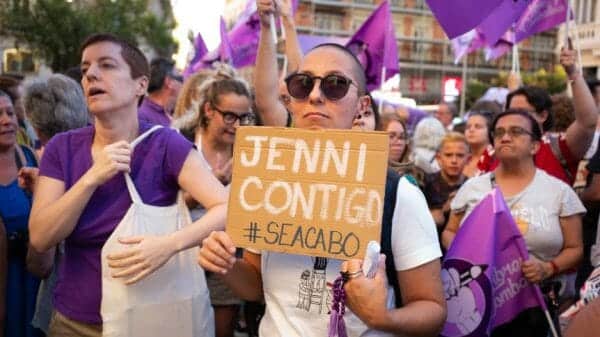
[
  {"x": 577, "y": 44},
  {"x": 538, "y": 295},
  {"x": 550, "y": 321},
  {"x": 273, "y": 28},
  {"x": 567, "y": 22},
  {"x": 383, "y": 72},
  {"x": 463, "y": 96}
]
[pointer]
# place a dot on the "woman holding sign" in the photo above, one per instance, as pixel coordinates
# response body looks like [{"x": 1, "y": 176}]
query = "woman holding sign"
[
  {"x": 297, "y": 289},
  {"x": 93, "y": 183},
  {"x": 546, "y": 210}
]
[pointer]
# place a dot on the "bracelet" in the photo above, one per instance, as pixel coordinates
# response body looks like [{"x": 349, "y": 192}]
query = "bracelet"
[{"x": 555, "y": 269}]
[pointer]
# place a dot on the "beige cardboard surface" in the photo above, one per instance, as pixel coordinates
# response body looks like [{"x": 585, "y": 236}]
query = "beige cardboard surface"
[{"x": 317, "y": 193}]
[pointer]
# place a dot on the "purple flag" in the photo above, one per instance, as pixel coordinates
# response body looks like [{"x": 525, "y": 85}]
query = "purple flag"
[
  {"x": 540, "y": 15},
  {"x": 503, "y": 18},
  {"x": 308, "y": 42},
  {"x": 459, "y": 16},
  {"x": 374, "y": 44},
  {"x": 244, "y": 36},
  {"x": 501, "y": 47},
  {"x": 467, "y": 43},
  {"x": 225, "y": 49},
  {"x": 199, "y": 51},
  {"x": 481, "y": 272}
]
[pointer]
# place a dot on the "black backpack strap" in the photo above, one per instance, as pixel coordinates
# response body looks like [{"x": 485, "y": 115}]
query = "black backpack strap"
[{"x": 391, "y": 189}]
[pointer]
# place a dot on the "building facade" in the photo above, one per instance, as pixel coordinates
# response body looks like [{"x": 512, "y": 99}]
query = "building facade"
[
  {"x": 426, "y": 57},
  {"x": 587, "y": 15}
]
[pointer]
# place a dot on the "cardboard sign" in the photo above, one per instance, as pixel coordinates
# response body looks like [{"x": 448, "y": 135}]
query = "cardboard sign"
[{"x": 317, "y": 193}]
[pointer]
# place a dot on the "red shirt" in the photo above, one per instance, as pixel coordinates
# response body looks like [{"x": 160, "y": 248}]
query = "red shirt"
[{"x": 544, "y": 159}]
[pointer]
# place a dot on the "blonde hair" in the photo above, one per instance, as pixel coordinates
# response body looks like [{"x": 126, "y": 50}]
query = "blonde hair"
[
  {"x": 454, "y": 137},
  {"x": 222, "y": 80},
  {"x": 186, "y": 99}
]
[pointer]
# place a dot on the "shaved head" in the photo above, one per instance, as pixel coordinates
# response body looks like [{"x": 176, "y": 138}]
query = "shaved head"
[{"x": 358, "y": 71}]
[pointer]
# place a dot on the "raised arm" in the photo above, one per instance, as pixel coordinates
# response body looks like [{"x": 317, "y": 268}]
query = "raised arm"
[
  {"x": 580, "y": 133},
  {"x": 266, "y": 82},
  {"x": 293, "y": 52}
]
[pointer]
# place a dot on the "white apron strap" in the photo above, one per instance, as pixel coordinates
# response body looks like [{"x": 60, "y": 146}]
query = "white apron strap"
[{"x": 133, "y": 193}]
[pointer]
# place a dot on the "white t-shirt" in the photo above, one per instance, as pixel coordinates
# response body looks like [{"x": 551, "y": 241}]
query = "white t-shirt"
[
  {"x": 536, "y": 210},
  {"x": 297, "y": 288}
]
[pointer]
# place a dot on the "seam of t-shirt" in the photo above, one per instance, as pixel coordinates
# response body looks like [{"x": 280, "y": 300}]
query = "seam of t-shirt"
[{"x": 419, "y": 257}]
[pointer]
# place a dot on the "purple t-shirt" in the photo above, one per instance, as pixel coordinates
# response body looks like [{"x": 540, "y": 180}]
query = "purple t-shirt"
[
  {"x": 153, "y": 113},
  {"x": 156, "y": 163}
]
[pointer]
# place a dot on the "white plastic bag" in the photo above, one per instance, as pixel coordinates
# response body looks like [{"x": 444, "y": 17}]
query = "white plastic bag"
[{"x": 173, "y": 301}]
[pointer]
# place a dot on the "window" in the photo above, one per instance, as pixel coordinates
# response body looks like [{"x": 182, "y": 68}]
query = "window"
[
  {"x": 18, "y": 61},
  {"x": 329, "y": 21}
]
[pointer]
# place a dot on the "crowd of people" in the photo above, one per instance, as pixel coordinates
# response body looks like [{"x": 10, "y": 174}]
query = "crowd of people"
[{"x": 133, "y": 143}]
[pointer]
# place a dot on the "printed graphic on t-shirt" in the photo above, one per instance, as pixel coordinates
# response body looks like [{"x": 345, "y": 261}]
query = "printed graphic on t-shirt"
[
  {"x": 314, "y": 292},
  {"x": 530, "y": 219}
]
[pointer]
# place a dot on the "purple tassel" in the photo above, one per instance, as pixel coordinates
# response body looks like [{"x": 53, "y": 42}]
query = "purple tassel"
[{"x": 337, "y": 326}]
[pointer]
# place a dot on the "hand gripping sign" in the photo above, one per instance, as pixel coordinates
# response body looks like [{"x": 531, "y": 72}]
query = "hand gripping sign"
[{"x": 317, "y": 193}]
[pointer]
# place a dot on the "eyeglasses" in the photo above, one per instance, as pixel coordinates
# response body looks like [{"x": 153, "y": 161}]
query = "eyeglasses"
[
  {"x": 247, "y": 118},
  {"x": 513, "y": 131},
  {"x": 334, "y": 87}
]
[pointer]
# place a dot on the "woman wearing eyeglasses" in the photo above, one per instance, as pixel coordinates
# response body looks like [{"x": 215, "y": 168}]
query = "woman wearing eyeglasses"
[
  {"x": 546, "y": 210},
  {"x": 224, "y": 104},
  {"x": 399, "y": 157}
]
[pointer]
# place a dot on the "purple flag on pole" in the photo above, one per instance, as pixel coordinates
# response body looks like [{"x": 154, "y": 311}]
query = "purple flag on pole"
[
  {"x": 540, "y": 15},
  {"x": 481, "y": 272},
  {"x": 199, "y": 51},
  {"x": 459, "y": 16},
  {"x": 501, "y": 47},
  {"x": 225, "y": 49},
  {"x": 374, "y": 44},
  {"x": 244, "y": 36},
  {"x": 502, "y": 19},
  {"x": 467, "y": 43}
]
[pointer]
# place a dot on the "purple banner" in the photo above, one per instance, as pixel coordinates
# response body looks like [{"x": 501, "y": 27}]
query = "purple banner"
[
  {"x": 502, "y": 19},
  {"x": 199, "y": 51},
  {"x": 459, "y": 16},
  {"x": 308, "y": 42},
  {"x": 481, "y": 272},
  {"x": 374, "y": 44},
  {"x": 501, "y": 47},
  {"x": 467, "y": 43},
  {"x": 244, "y": 36},
  {"x": 225, "y": 50},
  {"x": 541, "y": 15}
]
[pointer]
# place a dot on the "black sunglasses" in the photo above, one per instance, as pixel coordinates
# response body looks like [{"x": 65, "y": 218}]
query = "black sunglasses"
[
  {"x": 247, "y": 118},
  {"x": 334, "y": 87}
]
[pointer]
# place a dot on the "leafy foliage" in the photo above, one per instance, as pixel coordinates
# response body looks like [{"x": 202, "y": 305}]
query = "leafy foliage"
[{"x": 54, "y": 29}]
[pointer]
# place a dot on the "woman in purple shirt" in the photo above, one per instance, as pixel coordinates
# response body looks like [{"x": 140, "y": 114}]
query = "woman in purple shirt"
[{"x": 81, "y": 195}]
